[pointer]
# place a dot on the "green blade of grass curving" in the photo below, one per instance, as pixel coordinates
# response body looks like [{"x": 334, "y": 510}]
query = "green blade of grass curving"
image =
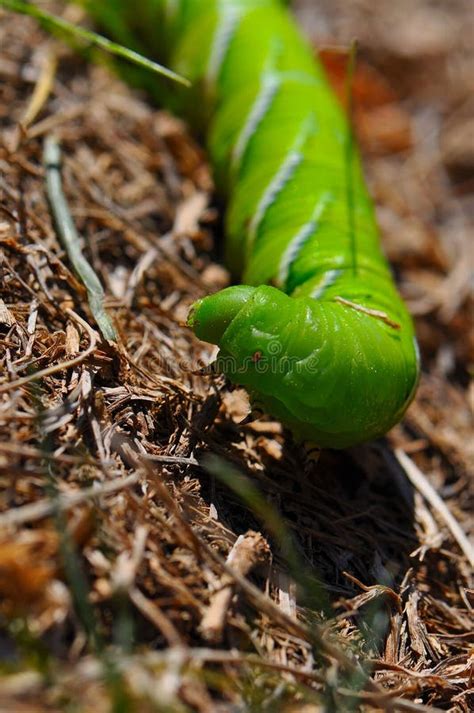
[
  {"x": 70, "y": 238},
  {"x": 91, "y": 38}
]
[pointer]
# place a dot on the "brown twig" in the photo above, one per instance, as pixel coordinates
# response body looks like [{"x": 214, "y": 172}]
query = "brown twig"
[
  {"x": 247, "y": 552},
  {"x": 419, "y": 480}
]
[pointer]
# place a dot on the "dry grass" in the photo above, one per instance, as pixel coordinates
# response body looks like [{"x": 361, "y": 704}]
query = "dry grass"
[{"x": 134, "y": 573}]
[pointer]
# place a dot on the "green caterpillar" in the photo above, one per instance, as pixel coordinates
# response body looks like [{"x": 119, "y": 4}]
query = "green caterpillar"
[{"x": 317, "y": 333}]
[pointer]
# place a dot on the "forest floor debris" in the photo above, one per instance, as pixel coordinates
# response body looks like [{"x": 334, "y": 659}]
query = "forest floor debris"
[{"x": 117, "y": 541}]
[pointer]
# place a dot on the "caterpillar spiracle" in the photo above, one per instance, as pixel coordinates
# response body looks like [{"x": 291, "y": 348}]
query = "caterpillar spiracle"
[{"x": 316, "y": 332}]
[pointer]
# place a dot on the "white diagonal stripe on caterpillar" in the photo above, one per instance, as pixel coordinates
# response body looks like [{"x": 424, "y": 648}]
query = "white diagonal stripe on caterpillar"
[
  {"x": 328, "y": 279},
  {"x": 296, "y": 243},
  {"x": 270, "y": 81},
  {"x": 284, "y": 173},
  {"x": 269, "y": 87},
  {"x": 225, "y": 30}
]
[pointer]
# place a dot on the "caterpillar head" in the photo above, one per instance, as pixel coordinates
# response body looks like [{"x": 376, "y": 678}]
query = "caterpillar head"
[{"x": 332, "y": 375}]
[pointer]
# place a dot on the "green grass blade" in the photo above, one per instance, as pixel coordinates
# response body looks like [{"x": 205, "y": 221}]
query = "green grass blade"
[
  {"x": 70, "y": 238},
  {"x": 91, "y": 38}
]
